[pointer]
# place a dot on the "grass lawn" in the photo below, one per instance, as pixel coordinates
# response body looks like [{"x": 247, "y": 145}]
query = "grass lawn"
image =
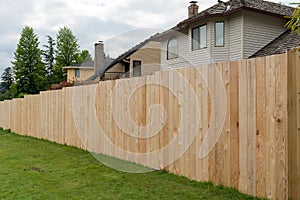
[{"x": 37, "y": 169}]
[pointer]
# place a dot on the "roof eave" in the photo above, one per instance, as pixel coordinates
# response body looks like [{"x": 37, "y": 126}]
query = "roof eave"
[
  {"x": 77, "y": 67},
  {"x": 187, "y": 22}
]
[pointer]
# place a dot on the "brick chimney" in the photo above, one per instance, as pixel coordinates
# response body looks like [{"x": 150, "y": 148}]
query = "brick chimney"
[
  {"x": 99, "y": 55},
  {"x": 193, "y": 9}
]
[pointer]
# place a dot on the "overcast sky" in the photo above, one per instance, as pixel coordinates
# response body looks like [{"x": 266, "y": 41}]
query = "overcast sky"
[{"x": 90, "y": 21}]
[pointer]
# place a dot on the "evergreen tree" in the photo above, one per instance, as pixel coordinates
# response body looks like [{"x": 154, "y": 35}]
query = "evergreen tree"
[
  {"x": 7, "y": 78},
  {"x": 28, "y": 67},
  {"x": 48, "y": 55},
  {"x": 66, "y": 51}
]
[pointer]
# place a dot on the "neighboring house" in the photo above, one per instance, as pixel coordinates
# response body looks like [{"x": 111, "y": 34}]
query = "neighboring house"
[
  {"x": 143, "y": 59},
  {"x": 231, "y": 30},
  {"x": 81, "y": 72},
  {"x": 288, "y": 40}
]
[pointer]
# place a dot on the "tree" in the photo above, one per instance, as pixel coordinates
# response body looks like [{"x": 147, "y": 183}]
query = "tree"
[
  {"x": 294, "y": 23},
  {"x": 28, "y": 67},
  {"x": 7, "y": 78},
  {"x": 84, "y": 56},
  {"x": 48, "y": 55},
  {"x": 66, "y": 52},
  {"x": 66, "y": 48}
]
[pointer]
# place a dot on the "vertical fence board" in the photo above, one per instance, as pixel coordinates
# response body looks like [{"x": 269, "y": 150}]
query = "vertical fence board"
[
  {"x": 297, "y": 137},
  {"x": 260, "y": 126},
  {"x": 270, "y": 126},
  {"x": 243, "y": 126},
  {"x": 293, "y": 126},
  {"x": 251, "y": 79},
  {"x": 258, "y": 151},
  {"x": 281, "y": 127},
  {"x": 234, "y": 124},
  {"x": 212, "y": 123}
]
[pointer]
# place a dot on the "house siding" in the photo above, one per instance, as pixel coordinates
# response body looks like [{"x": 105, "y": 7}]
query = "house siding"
[
  {"x": 115, "y": 71},
  {"x": 149, "y": 55},
  {"x": 200, "y": 56},
  {"x": 220, "y": 54},
  {"x": 183, "y": 48},
  {"x": 84, "y": 74},
  {"x": 265, "y": 29},
  {"x": 235, "y": 37},
  {"x": 246, "y": 32}
]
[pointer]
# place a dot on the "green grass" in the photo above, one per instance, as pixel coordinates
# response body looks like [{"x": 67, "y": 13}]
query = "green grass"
[{"x": 37, "y": 169}]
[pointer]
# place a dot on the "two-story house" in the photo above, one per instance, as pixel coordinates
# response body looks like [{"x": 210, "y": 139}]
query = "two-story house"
[{"x": 232, "y": 30}]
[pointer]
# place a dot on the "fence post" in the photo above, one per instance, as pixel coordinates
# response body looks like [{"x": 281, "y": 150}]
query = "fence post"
[{"x": 294, "y": 125}]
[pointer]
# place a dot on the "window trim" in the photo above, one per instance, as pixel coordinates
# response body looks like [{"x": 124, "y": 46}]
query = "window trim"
[
  {"x": 199, "y": 46},
  {"x": 140, "y": 68},
  {"x": 168, "y": 57},
  {"x": 77, "y": 70},
  {"x": 216, "y": 34}
]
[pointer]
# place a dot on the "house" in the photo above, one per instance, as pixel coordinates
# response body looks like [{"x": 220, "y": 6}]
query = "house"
[
  {"x": 288, "y": 40},
  {"x": 81, "y": 72},
  {"x": 232, "y": 30},
  {"x": 143, "y": 59}
]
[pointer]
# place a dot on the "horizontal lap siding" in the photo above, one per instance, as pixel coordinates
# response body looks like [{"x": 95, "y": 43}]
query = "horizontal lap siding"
[
  {"x": 264, "y": 27},
  {"x": 235, "y": 37},
  {"x": 201, "y": 56},
  {"x": 183, "y": 46},
  {"x": 220, "y": 54}
]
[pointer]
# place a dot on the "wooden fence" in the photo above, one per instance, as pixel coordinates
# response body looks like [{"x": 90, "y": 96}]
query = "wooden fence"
[{"x": 235, "y": 123}]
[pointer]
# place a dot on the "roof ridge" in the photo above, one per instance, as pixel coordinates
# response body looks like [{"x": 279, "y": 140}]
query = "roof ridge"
[{"x": 228, "y": 7}]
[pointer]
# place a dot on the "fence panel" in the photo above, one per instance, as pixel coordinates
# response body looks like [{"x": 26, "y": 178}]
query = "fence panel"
[{"x": 234, "y": 123}]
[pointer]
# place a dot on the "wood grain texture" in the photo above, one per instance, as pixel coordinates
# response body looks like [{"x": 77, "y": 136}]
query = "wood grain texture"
[
  {"x": 261, "y": 127},
  {"x": 270, "y": 126},
  {"x": 243, "y": 126},
  {"x": 257, "y": 153},
  {"x": 234, "y": 124}
]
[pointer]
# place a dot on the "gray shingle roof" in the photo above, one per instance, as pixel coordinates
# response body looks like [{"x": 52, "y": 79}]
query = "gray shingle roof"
[
  {"x": 284, "y": 42},
  {"x": 229, "y": 7},
  {"x": 82, "y": 65},
  {"x": 101, "y": 71}
]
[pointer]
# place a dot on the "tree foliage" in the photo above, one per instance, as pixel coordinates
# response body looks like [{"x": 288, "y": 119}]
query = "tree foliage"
[
  {"x": 67, "y": 50},
  {"x": 7, "y": 78},
  {"x": 48, "y": 55},
  {"x": 294, "y": 22},
  {"x": 28, "y": 67},
  {"x": 84, "y": 56},
  {"x": 66, "y": 47}
]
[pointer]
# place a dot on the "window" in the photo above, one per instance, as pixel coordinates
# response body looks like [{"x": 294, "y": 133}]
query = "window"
[
  {"x": 219, "y": 34},
  {"x": 77, "y": 73},
  {"x": 199, "y": 37},
  {"x": 172, "y": 49},
  {"x": 137, "y": 68}
]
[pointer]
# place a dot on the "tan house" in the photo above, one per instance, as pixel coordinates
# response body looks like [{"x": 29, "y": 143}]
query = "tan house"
[
  {"x": 81, "y": 72},
  {"x": 143, "y": 59},
  {"x": 231, "y": 30}
]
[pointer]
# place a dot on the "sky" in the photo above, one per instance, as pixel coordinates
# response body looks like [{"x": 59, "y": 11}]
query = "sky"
[{"x": 119, "y": 23}]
